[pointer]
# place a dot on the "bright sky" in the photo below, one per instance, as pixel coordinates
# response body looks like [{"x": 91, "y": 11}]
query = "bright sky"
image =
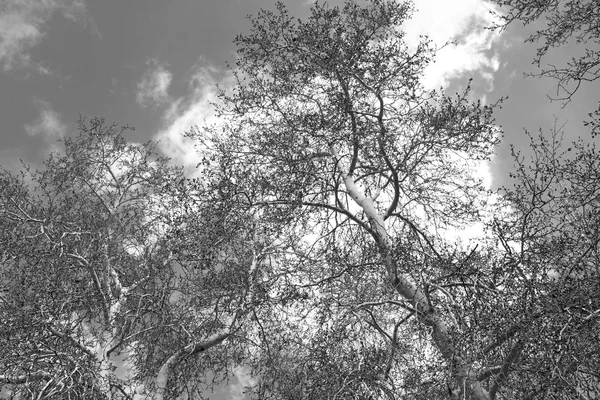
[{"x": 151, "y": 64}]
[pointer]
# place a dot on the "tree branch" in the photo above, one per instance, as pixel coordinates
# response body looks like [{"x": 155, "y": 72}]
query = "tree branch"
[
  {"x": 191, "y": 349},
  {"x": 512, "y": 356},
  {"x": 21, "y": 379}
]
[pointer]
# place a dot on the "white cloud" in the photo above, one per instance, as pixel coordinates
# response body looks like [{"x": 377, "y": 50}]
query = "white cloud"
[
  {"x": 463, "y": 21},
  {"x": 187, "y": 112},
  {"x": 48, "y": 125},
  {"x": 154, "y": 86},
  {"x": 21, "y": 27}
]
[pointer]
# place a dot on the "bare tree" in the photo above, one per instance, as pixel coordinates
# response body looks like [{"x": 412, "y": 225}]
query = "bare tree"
[
  {"x": 329, "y": 119},
  {"x": 114, "y": 274},
  {"x": 550, "y": 240},
  {"x": 319, "y": 246}
]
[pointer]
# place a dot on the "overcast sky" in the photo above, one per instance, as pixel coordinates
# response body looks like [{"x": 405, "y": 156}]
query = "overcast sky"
[{"x": 152, "y": 64}]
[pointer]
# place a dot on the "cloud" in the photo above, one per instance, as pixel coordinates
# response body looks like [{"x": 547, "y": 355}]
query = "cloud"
[
  {"x": 189, "y": 111},
  {"x": 48, "y": 125},
  {"x": 463, "y": 22},
  {"x": 22, "y": 25},
  {"x": 154, "y": 86}
]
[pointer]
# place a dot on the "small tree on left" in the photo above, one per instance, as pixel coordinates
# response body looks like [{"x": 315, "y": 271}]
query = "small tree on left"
[
  {"x": 118, "y": 274},
  {"x": 85, "y": 264},
  {"x": 82, "y": 243}
]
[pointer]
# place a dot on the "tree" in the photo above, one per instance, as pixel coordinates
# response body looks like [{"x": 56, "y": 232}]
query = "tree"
[
  {"x": 329, "y": 120},
  {"x": 564, "y": 23},
  {"x": 104, "y": 252},
  {"x": 81, "y": 250},
  {"x": 328, "y": 123},
  {"x": 318, "y": 248},
  {"x": 551, "y": 240}
]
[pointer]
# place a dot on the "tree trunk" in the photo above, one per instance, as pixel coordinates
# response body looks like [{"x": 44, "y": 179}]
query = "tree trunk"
[{"x": 464, "y": 376}]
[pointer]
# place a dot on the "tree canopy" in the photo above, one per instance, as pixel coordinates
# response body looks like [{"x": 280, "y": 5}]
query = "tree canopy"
[{"x": 319, "y": 245}]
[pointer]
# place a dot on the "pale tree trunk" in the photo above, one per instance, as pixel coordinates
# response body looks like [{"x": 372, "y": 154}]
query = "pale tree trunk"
[
  {"x": 464, "y": 375},
  {"x": 109, "y": 341},
  {"x": 107, "y": 363}
]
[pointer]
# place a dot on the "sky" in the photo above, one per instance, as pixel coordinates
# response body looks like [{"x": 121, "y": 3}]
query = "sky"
[{"x": 152, "y": 64}]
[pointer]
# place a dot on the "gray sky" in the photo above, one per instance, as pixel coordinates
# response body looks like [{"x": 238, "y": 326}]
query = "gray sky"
[
  {"x": 151, "y": 64},
  {"x": 63, "y": 58}
]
